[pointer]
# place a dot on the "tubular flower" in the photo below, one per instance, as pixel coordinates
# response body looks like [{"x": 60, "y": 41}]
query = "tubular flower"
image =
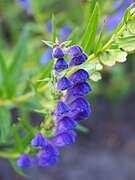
[{"x": 69, "y": 110}]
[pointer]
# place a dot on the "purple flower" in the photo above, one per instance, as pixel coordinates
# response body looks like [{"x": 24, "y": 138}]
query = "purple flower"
[
  {"x": 64, "y": 83},
  {"x": 79, "y": 76},
  {"x": 48, "y": 151},
  {"x": 75, "y": 61},
  {"x": 65, "y": 124},
  {"x": 60, "y": 65},
  {"x": 65, "y": 32},
  {"x": 114, "y": 20},
  {"x": 74, "y": 50},
  {"x": 39, "y": 140},
  {"x": 51, "y": 161},
  {"x": 49, "y": 27},
  {"x": 81, "y": 115},
  {"x": 78, "y": 90},
  {"x": 24, "y": 161},
  {"x": 58, "y": 52},
  {"x": 26, "y": 4},
  {"x": 79, "y": 105},
  {"x": 46, "y": 57},
  {"x": 62, "y": 108},
  {"x": 64, "y": 139}
]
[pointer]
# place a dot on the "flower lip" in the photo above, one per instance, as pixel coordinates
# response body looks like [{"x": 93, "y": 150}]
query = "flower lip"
[
  {"x": 75, "y": 50},
  {"x": 64, "y": 83},
  {"x": 79, "y": 116}
]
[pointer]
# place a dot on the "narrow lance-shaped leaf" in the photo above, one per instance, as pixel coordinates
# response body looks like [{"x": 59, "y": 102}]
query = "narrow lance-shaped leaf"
[
  {"x": 54, "y": 32},
  {"x": 91, "y": 31},
  {"x": 28, "y": 127},
  {"x": 18, "y": 141},
  {"x": 99, "y": 43}
]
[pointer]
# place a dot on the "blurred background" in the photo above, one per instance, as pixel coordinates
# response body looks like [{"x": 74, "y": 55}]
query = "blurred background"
[{"x": 107, "y": 151}]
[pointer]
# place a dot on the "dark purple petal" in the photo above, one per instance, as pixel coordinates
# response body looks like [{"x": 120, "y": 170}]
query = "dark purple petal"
[
  {"x": 62, "y": 108},
  {"x": 58, "y": 52},
  {"x": 51, "y": 161},
  {"x": 78, "y": 90},
  {"x": 60, "y": 65},
  {"x": 46, "y": 57},
  {"x": 75, "y": 61},
  {"x": 24, "y": 161},
  {"x": 39, "y": 140},
  {"x": 74, "y": 50},
  {"x": 64, "y": 83},
  {"x": 48, "y": 151},
  {"x": 64, "y": 139},
  {"x": 81, "y": 115},
  {"x": 79, "y": 105},
  {"x": 65, "y": 124},
  {"x": 79, "y": 76}
]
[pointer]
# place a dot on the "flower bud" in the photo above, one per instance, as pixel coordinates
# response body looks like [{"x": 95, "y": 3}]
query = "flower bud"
[
  {"x": 24, "y": 161},
  {"x": 58, "y": 52},
  {"x": 60, "y": 65},
  {"x": 74, "y": 50}
]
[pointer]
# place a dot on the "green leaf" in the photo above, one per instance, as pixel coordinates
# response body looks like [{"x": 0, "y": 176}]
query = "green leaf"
[
  {"x": 17, "y": 169},
  {"x": 99, "y": 43},
  {"x": 96, "y": 76},
  {"x": 82, "y": 128},
  {"x": 54, "y": 32},
  {"x": 48, "y": 43},
  {"x": 28, "y": 127},
  {"x": 91, "y": 31},
  {"x": 67, "y": 42},
  {"x": 89, "y": 67},
  {"x": 127, "y": 14},
  {"x": 126, "y": 42},
  {"x": 3, "y": 70},
  {"x": 5, "y": 125},
  {"x": 119, "y": 27},
  {"x": 110, "y": 57},
  {"x": 131, "y": 26},
  {"x": 18, "y": 141}
]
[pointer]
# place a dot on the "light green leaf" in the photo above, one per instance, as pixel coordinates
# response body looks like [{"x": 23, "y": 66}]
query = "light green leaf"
[
  {"x": 127, "y": 14},
  {"x": 96, "y": 76},
  {"x": 91, "y": 31},
  {"x": 131, "y": 26},
  {"x": 110, "y": 57},
  {"x": 48, "y": 43},
  {"x": 126, "y": 42}
]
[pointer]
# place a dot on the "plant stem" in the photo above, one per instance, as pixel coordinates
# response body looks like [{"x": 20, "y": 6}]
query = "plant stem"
[{"x": 9, "y": 155}]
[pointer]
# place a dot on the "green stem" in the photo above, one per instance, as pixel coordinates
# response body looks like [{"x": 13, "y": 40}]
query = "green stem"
[{"x": 9, "y": 155}]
